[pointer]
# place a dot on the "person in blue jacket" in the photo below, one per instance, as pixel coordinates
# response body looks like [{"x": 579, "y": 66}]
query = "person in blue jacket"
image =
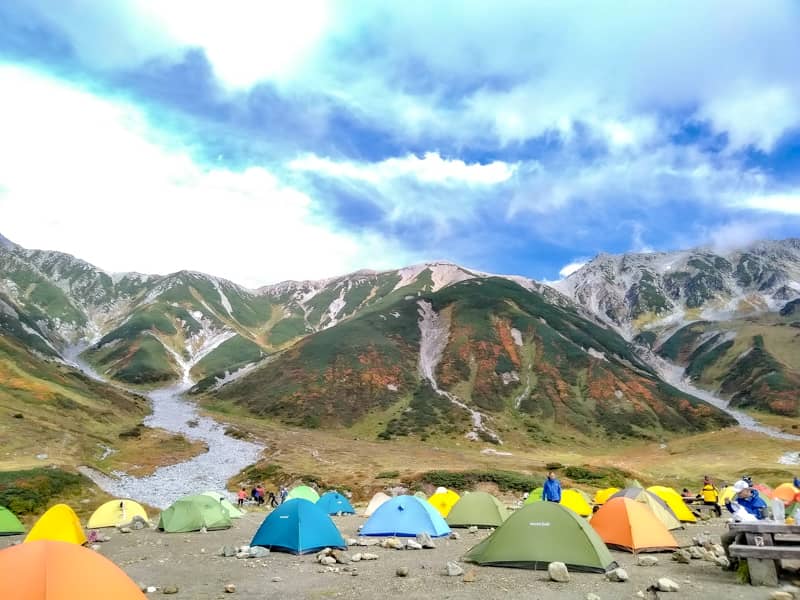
[
  {"x": 551, "y": 492},
  {"x": 748, "y": 498},
  {"x": 796, "y": 481}
]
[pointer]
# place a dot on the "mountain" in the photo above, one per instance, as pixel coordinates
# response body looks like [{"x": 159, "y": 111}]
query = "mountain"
[
  {"x": 483, "y": 357},
  {"x": 729, "y": 318}
]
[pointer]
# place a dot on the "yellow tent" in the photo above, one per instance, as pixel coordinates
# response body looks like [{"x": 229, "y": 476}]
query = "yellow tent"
[
  {"x": 444, "y": 501},
  {"x": 60, "y": 524},
  {"x": 674, "y": 501},
  {"x": 574, "y": 500},
  {"x": 657, "y": 505},
  {"x": 725, "y": 494},
  {"x": 115, "y": 513},
  {"x": 602, "y": 495}
]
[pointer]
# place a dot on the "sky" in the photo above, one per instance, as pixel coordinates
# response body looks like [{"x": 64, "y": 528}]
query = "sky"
[{"x": 263, "y": 141}]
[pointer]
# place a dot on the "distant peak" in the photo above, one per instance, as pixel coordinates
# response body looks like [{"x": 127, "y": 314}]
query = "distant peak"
[{"x": 7, "y": 243}]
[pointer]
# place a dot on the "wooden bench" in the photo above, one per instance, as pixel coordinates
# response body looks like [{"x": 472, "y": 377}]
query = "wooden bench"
[{"x": 766, "y": 545}]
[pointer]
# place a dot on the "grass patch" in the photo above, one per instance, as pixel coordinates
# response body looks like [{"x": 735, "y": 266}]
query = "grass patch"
[
  {"x": 506, "y": 481},
  {"x": 31, "y": 491}
]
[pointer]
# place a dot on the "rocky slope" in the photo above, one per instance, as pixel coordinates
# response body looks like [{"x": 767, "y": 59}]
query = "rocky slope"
[
  {"x": 482, "y": 357},
  {"x": 726, "y": 317}
]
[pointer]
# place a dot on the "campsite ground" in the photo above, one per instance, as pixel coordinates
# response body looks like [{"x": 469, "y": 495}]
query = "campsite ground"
[{"x": 190, "y": 562}]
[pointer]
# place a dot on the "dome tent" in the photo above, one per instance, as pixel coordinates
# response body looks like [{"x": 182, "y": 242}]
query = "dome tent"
[
  {"x": 51, "y": 570},
  {"x": 192, "y": 513},
  {"x": 601, "y": 496},
  {"x": 376, "y": 501},
  {"x": 540, "y": 533},
  {"x": 674, "y": 501},
  {"x": 59, "y": 523},
  {"x": 303, "y": 491},
  {"x": 233, "y": 512},
  {"x": 630, "y": 525},
  {"x": 444, "y": 501},
  {"x": 115, "y": 513},
  {"x": 405, "y": 516},
  {"x": 334, "y": 503},
  {"x": 298, "y": 526},
  {"x": 9, "y": 523},
  {"x": 480, "y": 509},
  {"x": 654, "y": 503}
]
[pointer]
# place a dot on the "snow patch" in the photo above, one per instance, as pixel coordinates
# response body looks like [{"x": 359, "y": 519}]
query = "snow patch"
[
  {"x": 596, "y": 354},
  {"x": 335, "y": 308},
  {"x": 391, "y": 387},
  {"x": 226, "y": 304},
  {"x": 516, "y": 335}
]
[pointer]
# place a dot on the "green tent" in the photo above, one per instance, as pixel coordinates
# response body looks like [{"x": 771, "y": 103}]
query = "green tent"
[
  {"x": 233, "y": 512},
  {"x": 192, "y": 513},
  {"x": 540, "y": 533},
  {"x": 534, "y": 496},
  {"x": 478, "y": 508},
  {"x": 9, "y": 523},
  {"x": 303, "y": 491}
]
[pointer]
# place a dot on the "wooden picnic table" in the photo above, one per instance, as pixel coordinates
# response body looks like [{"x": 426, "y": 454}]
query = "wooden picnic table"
[{"x": 766, "y": 544}]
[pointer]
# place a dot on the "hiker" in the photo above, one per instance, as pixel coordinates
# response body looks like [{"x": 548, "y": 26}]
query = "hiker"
[
  {"x": 747, "y": 499},
  {"x": 273, "y": 502},
  {"x": 551, "y": 491},
  {"x": 284, "y": 494},
  {"x": 260, "y": 493},
  {"x": 710, "y": 495},
  {"x": 254, "y": 494},
  {"x": 242, "y": 495},
  {"x": 687, "y": 496},
  {"x": 796, "y": 481}
]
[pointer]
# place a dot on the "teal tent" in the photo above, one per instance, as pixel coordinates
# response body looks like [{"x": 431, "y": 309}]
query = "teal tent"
[
  {"x": 298, "y": 526},
  {"x": 334, "y": 503},
  {"x": 405, "y": 516},
  {"x": 303, "y": 491}
]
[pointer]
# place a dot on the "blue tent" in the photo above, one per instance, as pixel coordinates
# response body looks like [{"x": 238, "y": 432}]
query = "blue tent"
[
  {"x": 298, "y": 526},
  {"x": 405, "y": 516},
  {"x": 333, "y": 503}
]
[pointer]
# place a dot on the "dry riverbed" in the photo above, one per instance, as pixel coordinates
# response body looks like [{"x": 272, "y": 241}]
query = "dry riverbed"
[{"x": 190, "y": 562}]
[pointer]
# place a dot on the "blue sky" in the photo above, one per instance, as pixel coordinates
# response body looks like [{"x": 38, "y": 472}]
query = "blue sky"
[{"x": 260, "y": 142}]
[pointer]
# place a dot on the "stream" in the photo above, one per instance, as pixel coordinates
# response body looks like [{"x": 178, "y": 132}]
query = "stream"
[{"x": 226, "y": 456}]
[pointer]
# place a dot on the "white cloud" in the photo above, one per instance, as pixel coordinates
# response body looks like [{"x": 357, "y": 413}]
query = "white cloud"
[
  {"x": 431, "y": 168},
  {"x": 738, "y": 234},
  {"x": 88, "y": 176},
  {"x": 570, "y": 268},
  {"x": 246, "y": 41},
  {"x": 780, "y": 203}
]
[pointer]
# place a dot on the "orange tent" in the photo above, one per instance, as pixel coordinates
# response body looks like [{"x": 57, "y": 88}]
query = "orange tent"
[
  {"x": 764, "y": 490},
  {"x": 786, "y": 492},
  {"x": 630, "y": 525},
  {"x": 48, "y": 570}
]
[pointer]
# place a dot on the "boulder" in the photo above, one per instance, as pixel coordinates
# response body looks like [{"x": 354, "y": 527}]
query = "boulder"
[
  {"x": 413, "y": 545},
  {"x": 682, "y": 556},
  {"x": 722, "y": 561},
  {"x": 696, "y": 552},
  {"x": 352, "y": 541},
  {"x": 369, "y": 556},
  {"x": 647, "y": 561},
  {"x": 341, "y": 557},
  {"x": 169, "y": 589},
  {"x": 327, "y": 560},
  {"x": 125, "y": 530},
  {"x": 356, "y": 557},
  {"x": 454, "y": 535},
  {"x": 617, "y": 575},
  {"x": 473, "y": 529},
  {"x": 401, "y": 571},
  {"x": 558, "y": 572},
  {"x": 392, "y": 543},
  {"x": 227, "y": 551},
  {"x": 258, "y": 552},
  {"x": 664, "y": 584},
  {"x": 230, "y": 588},
  {"x": 454, "y": 569},
  {"x": 718, "y": 550},
  {"x": 243, "y": 554},
  {"x": 425, "y": 540}
]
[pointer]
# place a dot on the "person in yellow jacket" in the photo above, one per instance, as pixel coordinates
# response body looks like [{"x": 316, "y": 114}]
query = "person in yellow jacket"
[{"x": 710, "y": 495}]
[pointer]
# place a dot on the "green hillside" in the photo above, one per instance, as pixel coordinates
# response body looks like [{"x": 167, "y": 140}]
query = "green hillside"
[
  {"x": 529, "y": 364},
  {"x": 754, "y": 362}
]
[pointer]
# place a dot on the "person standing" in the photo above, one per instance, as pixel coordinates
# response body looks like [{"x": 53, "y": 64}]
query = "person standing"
[
  {"x": 284, "y": 494},
  {"x": 551, "y": 491},
  {"x": 242, "y": 496},
  {"x": 710, "y": 495}
]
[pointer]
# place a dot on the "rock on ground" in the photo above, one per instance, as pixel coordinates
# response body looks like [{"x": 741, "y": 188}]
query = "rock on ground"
[
  {"x": 170, "y": 589},
  {"x": 665, "y": 584},
  {"x": 558, "y": 572},
  {"x": 401, "y": 571},
  {"x": 471, "y": 576},
  {"x": 647, "y": 561},
  {"x": 230, "y": 588},
  {"x": 682, "y": 556},
  {"x": 592, "y": 596},
  {"x": 425, "y": 540},
  {"x": 617, "y": 575},
  {"x": 454, "y": 569}
]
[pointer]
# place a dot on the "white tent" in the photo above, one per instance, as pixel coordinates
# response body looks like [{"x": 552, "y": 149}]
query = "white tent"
[{"x": 376, "y": 501}]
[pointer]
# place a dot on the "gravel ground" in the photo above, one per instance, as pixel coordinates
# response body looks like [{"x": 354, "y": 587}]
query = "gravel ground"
[{"x": 190, "y": 562}]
